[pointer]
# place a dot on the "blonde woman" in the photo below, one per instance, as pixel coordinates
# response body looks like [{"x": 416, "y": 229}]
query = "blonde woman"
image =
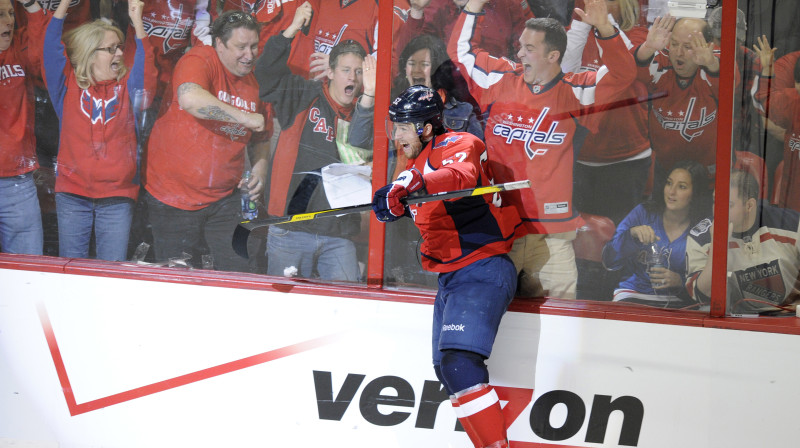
[{"x": 92, "y": 91}]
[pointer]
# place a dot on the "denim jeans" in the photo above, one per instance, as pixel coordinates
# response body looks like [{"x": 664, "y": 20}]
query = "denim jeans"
[
  {"x": 197, "y": 232},
  {"x": 20, "y": 216},
  {"x": 110, "y": 217},
  {"x": 332, "y": 258}
]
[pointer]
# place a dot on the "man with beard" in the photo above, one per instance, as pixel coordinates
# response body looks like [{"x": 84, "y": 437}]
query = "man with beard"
[{"x": 465, "y": 240}]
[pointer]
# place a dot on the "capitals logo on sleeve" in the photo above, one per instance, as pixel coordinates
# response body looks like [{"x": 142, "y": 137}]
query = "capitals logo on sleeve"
[{"x": 99, "y": 109}]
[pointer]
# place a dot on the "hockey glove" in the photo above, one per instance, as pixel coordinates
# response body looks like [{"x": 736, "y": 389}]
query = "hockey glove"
[{"x": 388, "y": 200}]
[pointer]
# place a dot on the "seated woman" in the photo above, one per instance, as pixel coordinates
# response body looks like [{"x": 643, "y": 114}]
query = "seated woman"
[{"x": 651, "y": 241}]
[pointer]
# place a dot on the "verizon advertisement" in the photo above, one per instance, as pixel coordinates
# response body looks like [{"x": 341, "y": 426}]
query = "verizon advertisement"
[{"x": 92, "y": 361}]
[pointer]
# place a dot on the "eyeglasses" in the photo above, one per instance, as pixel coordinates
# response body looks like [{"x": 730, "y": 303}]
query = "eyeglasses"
[
  {"x": 239, "y": 16},
  {"x": 112, "y": 50}
]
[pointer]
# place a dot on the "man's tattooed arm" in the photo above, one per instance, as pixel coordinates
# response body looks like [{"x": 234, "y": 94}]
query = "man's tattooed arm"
[{"x": 208, "y": 112}]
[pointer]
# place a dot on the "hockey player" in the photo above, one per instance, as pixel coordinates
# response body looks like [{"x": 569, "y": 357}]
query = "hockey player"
[
  {"x": 464, "y": 240},
  {"x": 537, "y": 113}
]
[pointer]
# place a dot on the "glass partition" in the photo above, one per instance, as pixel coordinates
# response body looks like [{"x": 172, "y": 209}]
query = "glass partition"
[
  {"x": 763, "y": 250},
  {"x": 616, "y": 132}
]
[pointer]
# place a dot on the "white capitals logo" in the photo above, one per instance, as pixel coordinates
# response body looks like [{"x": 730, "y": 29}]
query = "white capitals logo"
[
  {"x": 682, "y": 123},
  {"x": 515, "y": 128},
  {"x": 794, "y": 144}
]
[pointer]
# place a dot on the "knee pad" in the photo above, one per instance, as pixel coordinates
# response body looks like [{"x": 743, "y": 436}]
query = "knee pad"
[{"x": 461, "y": 370}]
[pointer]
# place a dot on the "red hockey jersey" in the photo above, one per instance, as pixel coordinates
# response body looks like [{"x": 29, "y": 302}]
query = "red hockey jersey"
[
  {"x": 460, "y": 231},
  {"x": 531, "y": 130},
  {"x": 335, "y": 22},
  {"x": 784, "y": 109},
  {"x": 683, "y": 113}
]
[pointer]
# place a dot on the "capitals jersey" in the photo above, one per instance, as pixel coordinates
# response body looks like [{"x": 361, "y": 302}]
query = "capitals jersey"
[
  {"x": 20, "y": 65},
  {"x": 168, "y": 25},
  {"x": 458, "y": 232},
  {"x": 273, "y": 15},
  {"x": 623, "y": 130},
  {"x": 97, "y": 149},
  {"x": 191, "y": 162},
  {"x": 683, "y": 113},
  {"x": 763, "y": 262},
  {"x": 783, "y": 108},
  {"x": 532, "y": 131},
  {"x": 334, "y": 22},
  {"x": 79, "y": 12}
]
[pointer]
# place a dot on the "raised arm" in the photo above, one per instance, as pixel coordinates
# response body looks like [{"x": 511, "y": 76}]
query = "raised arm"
[{"x": 657, "y": 38}]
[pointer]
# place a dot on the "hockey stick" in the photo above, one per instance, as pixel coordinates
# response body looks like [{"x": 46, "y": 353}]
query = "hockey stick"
[{"x": 242, "y": 232}]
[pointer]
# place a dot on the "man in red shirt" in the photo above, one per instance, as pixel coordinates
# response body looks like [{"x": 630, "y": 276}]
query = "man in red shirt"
[
  {"x": 685, "y": 83},
  {"x": 537, "y": 118},
  {"x": 197, "y": 151}
]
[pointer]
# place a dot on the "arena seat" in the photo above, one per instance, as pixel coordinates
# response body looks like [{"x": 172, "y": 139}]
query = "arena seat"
[{"x": 594, "y": 281}]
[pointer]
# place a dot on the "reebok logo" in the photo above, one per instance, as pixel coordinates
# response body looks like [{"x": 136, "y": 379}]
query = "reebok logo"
[{"x": 453, "y": 327}]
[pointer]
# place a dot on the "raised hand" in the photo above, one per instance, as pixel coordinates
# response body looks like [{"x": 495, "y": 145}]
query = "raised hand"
[
  {"x": 302, "y": 17},
  {"x": 595, "y": 14},
  {"x": 659, "y": 33},
  {"x": 135, "y": 8},
  {"x": 702, "y": 52},
  {"x": 766, "y": 54}
]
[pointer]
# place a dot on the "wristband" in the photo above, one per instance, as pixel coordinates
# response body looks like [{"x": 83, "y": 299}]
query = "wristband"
[
  {"x": 367, "y": 94},
  {"x": 28, "y": 4}
]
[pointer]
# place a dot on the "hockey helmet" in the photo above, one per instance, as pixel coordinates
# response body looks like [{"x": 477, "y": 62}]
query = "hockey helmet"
[{"x": 418, "y": 105}]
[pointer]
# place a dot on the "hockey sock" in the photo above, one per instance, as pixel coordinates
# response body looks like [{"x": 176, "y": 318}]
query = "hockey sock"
[{"x": 478, "y": 410}]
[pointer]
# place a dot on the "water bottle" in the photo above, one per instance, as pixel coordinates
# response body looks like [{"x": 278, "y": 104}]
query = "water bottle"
[{"x": 249, "y": 207}]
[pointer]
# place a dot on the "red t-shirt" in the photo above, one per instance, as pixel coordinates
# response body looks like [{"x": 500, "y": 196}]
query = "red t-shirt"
[
  {"x": 192, "y": 163},
  {"x": 20, "y": 65}
]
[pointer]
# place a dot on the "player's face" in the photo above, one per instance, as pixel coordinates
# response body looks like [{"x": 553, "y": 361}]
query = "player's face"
[
  {"x": 345, "y": 79},
  {"x": 240, "y": 52},
  {"x": 106, "y": 65},
  {"x": 6, "y": 24},
  {"x": 678, "y": 190},
  {"x": 534, "y": 55},
  {"x": 418, "y": 68},
  {"x": 405, "y": 137},
  {"x": 680, "y": 48}
]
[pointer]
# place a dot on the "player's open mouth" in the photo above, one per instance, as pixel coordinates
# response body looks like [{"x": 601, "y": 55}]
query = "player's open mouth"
[
  {"x": 418, "y": 81},
  {"x": 6, "y": 34},
  {"x": 115, "y": 66},
  {"x": 348, "y": 90}
]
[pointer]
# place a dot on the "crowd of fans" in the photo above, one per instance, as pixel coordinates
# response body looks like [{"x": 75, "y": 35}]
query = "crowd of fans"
[{"x": 130, "y": 122}]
